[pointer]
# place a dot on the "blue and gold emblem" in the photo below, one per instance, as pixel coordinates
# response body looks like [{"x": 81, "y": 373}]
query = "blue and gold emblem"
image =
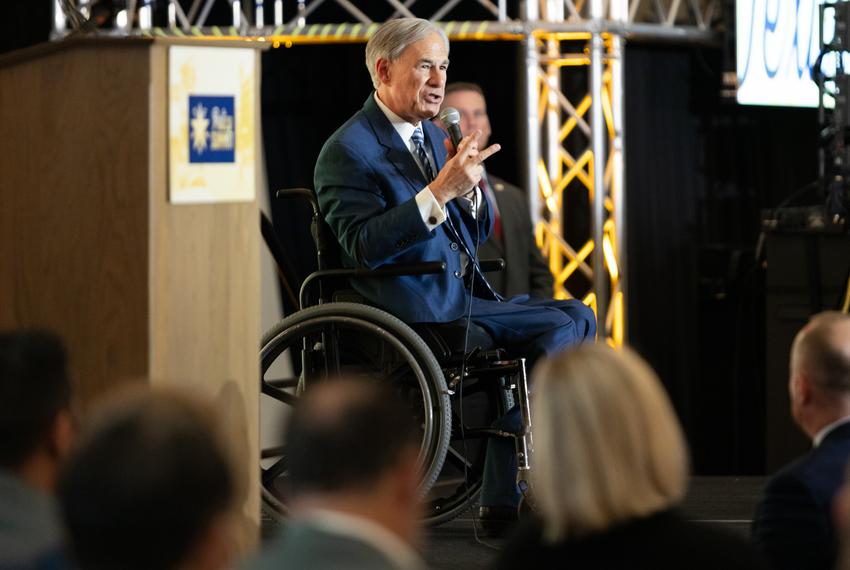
[{"x": 212, "y": 129}]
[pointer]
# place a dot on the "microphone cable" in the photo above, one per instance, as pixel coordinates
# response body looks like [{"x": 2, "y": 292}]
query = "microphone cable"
[
  {"x": 455, "y": 135},
  {"x": 473, "y": 264}
]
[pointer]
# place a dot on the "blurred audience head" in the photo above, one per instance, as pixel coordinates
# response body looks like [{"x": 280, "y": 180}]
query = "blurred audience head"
[
  {"x": 607, "y": 446},
  {"x": 353, "y": 447},
  {"x": 819, "y": 378},
  {"x": 468, "y": 99},
  {"x": 36, "y": 427},
  {"x": 150, "y": 486}
]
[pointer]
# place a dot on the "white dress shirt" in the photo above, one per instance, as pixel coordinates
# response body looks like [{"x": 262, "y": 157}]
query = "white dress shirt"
[{"x": 821, "y": 435}]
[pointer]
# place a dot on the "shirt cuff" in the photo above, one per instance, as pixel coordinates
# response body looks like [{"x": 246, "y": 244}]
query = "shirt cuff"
[{"x": 430, "y": 210}]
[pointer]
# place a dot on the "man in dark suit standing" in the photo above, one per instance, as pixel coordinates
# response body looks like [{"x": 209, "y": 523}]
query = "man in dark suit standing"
[
  {"x": 512, "y": 239},
  {"x": 394, "y": 190},
  {"x": 793, "y": 524}
]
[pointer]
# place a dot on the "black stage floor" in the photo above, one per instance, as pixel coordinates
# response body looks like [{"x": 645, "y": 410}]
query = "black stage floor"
[{"x": 723, "y": 501}]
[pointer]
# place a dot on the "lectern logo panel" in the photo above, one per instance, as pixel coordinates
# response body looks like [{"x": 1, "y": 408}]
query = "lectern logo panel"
[
  {"x": 213, "y": 110},
  {"x": 212, "y": 129}
]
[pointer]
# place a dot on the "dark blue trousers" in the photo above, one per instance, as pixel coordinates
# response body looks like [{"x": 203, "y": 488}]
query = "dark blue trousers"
[{"x": 527, "y": 327}]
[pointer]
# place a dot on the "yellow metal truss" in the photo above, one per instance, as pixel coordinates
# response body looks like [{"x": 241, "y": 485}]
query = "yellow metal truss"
[{"x": 575, "y": 174}]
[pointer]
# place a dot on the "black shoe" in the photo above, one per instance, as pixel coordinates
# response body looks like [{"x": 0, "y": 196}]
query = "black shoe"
[{"x": 497, "y": 520}]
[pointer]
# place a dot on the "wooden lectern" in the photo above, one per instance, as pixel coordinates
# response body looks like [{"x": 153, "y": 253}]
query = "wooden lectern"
[{"x": 140, "y": 288}]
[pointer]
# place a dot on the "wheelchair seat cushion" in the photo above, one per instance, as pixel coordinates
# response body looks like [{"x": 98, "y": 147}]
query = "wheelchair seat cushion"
[{"x": 446, "y": 340}]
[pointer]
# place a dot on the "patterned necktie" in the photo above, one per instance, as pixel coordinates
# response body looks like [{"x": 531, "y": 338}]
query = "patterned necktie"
[{"x": 418, "y": 139}]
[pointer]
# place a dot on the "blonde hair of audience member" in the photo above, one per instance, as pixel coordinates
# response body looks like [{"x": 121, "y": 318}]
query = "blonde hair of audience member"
[{"x": 607, "y": 446}]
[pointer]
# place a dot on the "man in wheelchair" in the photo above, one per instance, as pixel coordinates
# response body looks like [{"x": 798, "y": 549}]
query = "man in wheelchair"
[{"x": 393, "y": 189}]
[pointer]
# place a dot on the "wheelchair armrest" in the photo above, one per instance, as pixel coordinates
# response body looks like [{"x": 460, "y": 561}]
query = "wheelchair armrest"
[
  {"x": 389, "y": 270},
  {"x": 488, "y": 265},
  {"x": 396, "y": 269},
  {"x": 304, "y": 193}
]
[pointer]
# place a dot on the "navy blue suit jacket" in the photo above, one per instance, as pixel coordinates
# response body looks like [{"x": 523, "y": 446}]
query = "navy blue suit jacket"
[
  {"x": 366, "y": 181},
  {"x": 793, "y": 523}
]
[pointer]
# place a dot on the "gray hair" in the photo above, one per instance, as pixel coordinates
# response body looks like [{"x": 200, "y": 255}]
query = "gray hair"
[{"x": 393, "y": 37}]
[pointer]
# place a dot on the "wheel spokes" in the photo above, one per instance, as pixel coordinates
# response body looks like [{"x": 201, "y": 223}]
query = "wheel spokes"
[
  {"x": 282, "y": 383},
  {"x": 349, "y": 344},
  {"x": 461, "y": 462},
  {"x": 270, "y": 452},
  {"x": 278, "y": 394},
  {"x": 275, "y": 470}
]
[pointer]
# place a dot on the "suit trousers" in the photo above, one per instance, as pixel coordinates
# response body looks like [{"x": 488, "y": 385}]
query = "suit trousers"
[
  {"x": 532, "y": 327},
  {"x": 527, "y": 327}
]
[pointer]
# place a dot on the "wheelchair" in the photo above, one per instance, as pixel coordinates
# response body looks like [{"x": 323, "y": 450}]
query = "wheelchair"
[{"x": 453, "y": 379}]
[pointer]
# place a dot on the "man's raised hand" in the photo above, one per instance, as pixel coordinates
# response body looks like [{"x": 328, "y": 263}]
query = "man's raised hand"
[{"x": 463, "y": 170}]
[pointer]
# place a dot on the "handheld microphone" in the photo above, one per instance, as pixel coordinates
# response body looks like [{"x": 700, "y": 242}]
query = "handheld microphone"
[{"x": 450, "y": 117}]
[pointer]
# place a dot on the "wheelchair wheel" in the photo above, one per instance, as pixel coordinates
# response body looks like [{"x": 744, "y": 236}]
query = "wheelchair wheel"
[
  {"x": 353, "y": 340},
  {"x": 482, "y": 400}
]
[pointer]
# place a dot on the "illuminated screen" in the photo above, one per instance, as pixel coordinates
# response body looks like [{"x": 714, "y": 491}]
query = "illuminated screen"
[{"x": 778, "y": 42}]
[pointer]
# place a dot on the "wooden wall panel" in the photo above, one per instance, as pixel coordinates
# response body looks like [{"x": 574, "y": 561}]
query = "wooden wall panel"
[
  {"x": 74, "y": 206},
  {"x": 205, "y": 287},
  {"x": 90, "y": 247}
]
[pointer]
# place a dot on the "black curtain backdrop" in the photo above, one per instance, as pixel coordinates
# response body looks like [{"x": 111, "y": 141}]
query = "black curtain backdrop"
[
  {"x": 23, "y": 23},
  {"x": 699, "y": 169}
]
